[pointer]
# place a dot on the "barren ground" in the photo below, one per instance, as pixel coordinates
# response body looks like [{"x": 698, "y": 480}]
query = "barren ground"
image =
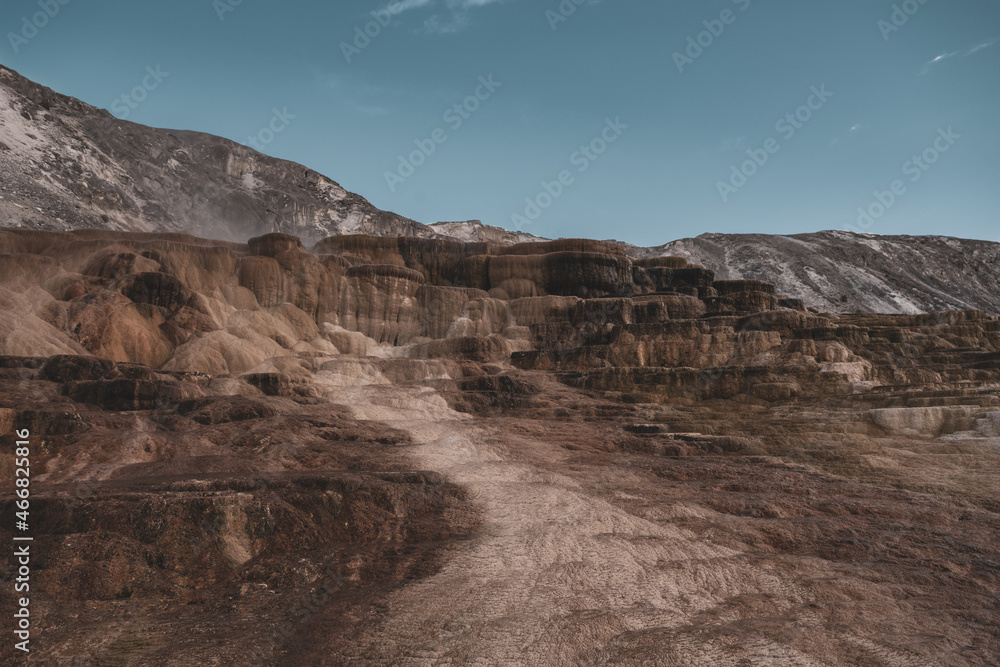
[{"x": 588, "y": 555}]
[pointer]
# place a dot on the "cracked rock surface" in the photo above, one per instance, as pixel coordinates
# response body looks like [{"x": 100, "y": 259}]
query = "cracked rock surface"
[{"x": 404, "y": 451}]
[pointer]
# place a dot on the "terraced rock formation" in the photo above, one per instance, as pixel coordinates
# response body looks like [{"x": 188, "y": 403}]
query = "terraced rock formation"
[
  {"x": 66, "y": 165},
  {"x": 406, "y": 451}
]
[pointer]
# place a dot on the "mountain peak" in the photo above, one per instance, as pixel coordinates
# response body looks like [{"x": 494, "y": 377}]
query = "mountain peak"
[{"x": 70, "y": 165}]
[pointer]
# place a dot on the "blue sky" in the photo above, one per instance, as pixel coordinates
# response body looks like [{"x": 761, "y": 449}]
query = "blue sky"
[{"x": 646, "y": 141}]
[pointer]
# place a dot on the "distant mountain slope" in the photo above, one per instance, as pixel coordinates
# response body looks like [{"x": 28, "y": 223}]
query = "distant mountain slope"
[
  {"x": 474, "y": 230},
  {"x": 844, "y": 272},
  {"x": 67, "y": 165}
]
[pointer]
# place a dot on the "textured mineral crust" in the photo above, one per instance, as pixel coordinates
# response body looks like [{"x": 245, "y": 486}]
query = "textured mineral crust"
[{"x": 379, "y": 450}]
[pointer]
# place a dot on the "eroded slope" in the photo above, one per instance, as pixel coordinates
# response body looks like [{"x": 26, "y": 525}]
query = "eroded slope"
[{"x": 407, "y": 451}]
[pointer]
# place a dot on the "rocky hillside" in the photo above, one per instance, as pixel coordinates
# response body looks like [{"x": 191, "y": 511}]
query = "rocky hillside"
[
  {"x": 475, "y": 230},
  {"x": 67, "y": 165},
  {"x": 844, "y": 272},
  {"x": 398, "y": 451}
]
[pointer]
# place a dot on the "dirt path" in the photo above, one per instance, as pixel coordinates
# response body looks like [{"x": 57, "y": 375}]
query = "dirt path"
[{"x": 558, "y": 572}]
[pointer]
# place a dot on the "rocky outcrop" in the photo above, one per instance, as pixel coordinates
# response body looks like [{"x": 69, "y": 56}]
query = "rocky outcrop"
[
  {"x": 69, "y": 165},
  {"x": 225, "y": 434},
  {"x": 571, "y": 306},
  {"x": 186, "y": 304},
  {"x": 156, "y": 492},
  {"x": 845, "y": 272}
]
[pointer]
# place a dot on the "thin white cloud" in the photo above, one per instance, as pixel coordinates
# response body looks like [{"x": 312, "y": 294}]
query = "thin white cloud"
[
  {"x": 349, "y": 93},
  {"x": 979, "y": 47},
  {"x": 368, "y": 110},
  {"x": 354, "y": 96},
  {"x": 851, "y": 131},
  {"x": 439, "y": 25},
  {"x": 738, "y": 144},
  {"x": 449, "y": 17},
  {"x": 930, "y": 63},
  {"x": 952, "y": 54},
  {"x": 400, "y": 6}
]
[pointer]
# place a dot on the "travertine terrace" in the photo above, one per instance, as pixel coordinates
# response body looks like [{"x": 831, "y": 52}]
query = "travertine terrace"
[{"x": 406, "y": 451}]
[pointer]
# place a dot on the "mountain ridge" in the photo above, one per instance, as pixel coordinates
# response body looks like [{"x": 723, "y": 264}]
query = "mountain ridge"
[
  {"x": 70, "y": 165},
  {"x": 839, "y": 271}
]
